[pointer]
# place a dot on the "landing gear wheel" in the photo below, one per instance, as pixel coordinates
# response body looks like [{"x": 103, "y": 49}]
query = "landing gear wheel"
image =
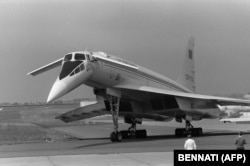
[
  {"x": 119, "y": 137},
  {"x": 180, "y": 132},
  {"x": 113, "y": 137},
  {"x": 200, "y": 132},
  {"x": 116, "y": 137},
  {"x": 125, "y": 134},
  {"x": 196, "y": 131},
  {"x": 141, "y": 134}
]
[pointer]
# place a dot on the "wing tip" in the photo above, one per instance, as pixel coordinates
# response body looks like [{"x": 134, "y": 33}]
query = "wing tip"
[
  {"x": 29, "y": 74},
  {"x": 47, "y": 67}
]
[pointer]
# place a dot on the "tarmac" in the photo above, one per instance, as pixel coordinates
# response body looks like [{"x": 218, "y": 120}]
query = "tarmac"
[
  {"x": 123, "y": 159},
  {"x": 93, "y": 147}
]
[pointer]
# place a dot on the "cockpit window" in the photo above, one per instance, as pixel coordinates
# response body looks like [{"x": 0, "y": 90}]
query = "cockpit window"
[
  {"x": 79, "y": 57},
  {"x": 67, "y": 57},
  {"x": 68, "y": 67},
  {"x": 77, "y": 70}
]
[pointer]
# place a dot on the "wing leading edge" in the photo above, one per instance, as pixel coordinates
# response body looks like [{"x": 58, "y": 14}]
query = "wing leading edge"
[{"x": 47, "y": 67}]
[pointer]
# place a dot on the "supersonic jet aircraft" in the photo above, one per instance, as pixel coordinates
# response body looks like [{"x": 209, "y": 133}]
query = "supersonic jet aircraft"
[{"x": 125, "y": 89}]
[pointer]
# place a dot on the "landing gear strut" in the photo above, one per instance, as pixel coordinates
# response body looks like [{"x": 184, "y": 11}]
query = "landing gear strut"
[
  {"x": 114, "y": 101},
  {"x": 116, "y": 135},
  {"x": 189, "y": 130},
  {"x": 132, "y": 132}
]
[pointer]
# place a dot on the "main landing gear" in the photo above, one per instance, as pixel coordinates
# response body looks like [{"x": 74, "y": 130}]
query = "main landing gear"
[
  {"x": 180, "y": 132},
  {"x": 116, "y": 135},
  {"x": 132, "y": 132}
]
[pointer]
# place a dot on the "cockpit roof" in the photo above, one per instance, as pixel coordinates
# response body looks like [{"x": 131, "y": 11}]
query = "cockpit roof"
[{"x": 76, "y": 56}]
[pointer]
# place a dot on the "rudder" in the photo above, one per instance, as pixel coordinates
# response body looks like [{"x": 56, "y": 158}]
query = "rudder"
[{"x": 187, "y": 75}]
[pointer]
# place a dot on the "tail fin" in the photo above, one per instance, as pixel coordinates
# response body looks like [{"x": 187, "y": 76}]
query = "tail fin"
[{"x": 187, "y": 75}]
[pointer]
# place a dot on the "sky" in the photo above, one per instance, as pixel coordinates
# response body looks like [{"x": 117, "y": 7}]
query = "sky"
[{"x": 150, "y": 33}]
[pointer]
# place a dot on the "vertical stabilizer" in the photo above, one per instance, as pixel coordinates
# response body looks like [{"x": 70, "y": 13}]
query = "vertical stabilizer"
[{"x": 187, "y": 74}]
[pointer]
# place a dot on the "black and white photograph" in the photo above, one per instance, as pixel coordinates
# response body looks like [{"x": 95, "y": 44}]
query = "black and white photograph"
[{"x": 119, "y": 82}]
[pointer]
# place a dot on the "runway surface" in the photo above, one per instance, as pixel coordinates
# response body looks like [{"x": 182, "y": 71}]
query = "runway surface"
[{"x": 92, "y": 142}]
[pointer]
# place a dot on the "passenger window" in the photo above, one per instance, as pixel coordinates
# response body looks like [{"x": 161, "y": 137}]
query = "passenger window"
[
  {"x": 67, "y": 57},
  {"x": 79, "y": 57}
]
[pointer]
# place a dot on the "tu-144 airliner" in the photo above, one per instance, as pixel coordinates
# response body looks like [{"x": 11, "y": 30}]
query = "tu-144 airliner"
[{"x": 125, "y": 89}]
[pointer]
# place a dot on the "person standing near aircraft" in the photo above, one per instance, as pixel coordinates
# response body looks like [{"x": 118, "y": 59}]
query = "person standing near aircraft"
[
  {"x": 240, "y": 142},
  {"x": 190, "y": 143}
]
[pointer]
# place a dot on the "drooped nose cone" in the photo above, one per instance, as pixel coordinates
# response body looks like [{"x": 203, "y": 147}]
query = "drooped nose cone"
[
  {"x": 63, "y": 86},
  {"x": 58, "y": 90}
]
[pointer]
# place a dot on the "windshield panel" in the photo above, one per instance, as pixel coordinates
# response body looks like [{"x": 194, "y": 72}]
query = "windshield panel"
[
  {"x": 67, "y": 57},
  {"x": 67, "y": 68},
  {"x": 79, "y": 57},
  {"x": 77, "y": 70}
]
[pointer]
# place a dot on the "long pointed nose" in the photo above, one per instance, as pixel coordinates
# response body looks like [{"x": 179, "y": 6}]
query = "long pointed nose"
[
  {"x": 63, "y": 86},
  {"x": 58, "y": 89}
]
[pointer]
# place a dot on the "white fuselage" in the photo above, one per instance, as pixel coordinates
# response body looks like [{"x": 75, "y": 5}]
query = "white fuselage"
[{"x": 107, "y": 75}]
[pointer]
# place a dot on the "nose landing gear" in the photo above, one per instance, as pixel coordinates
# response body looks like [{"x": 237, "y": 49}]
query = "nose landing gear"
[{"x": 114, "y": 101}]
